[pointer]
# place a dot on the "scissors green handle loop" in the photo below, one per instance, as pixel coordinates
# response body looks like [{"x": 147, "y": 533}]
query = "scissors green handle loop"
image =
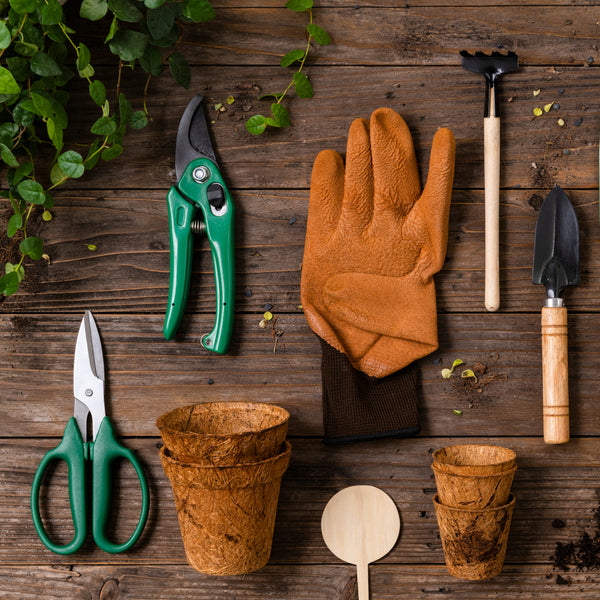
[
  {"x": 183, "y": 201},
  {"x": 106, "y": 449},
  {"x": 72, "y": 451},
  {"x": 102, "y": 452}
]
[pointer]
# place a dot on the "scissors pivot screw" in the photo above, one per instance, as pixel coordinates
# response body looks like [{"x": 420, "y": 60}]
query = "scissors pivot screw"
[
  {"x": 89, "y": 393},
  {"x": 200, "y": 174}
]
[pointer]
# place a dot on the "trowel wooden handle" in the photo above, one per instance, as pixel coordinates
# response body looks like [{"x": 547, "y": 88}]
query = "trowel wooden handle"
[
  {"x": 491, "y": 140},
  {"x": 555, "y": 375}
]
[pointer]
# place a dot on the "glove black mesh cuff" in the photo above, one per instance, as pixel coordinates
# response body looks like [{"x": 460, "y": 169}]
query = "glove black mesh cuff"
[{"x": 358, "y": 407}]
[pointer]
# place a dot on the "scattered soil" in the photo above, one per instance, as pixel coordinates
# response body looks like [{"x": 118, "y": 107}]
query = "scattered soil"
[
  {"x": 583, "y": 554},
  {"x": 475, "y": 392}
]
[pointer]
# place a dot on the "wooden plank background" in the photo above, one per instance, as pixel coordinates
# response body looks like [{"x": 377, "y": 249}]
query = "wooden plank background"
[{"x": 396, "y": 54}]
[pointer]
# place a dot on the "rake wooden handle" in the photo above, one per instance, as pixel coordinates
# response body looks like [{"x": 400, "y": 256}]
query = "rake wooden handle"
[
  {"x": 555, "y": 375},
  {"x": 491, "y": 150}
]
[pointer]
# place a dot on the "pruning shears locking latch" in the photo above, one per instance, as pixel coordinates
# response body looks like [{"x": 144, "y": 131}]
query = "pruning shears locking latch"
[{"x": 200, "y": 192}]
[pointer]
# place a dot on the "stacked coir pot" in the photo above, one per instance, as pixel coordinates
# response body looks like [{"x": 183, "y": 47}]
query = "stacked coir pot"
[
  {"x": 474, "y": 507},
  {"x": 225, "y": 461}
]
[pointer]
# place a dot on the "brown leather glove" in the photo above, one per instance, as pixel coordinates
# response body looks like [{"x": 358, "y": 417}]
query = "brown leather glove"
[{"x": 373, "y": 243}]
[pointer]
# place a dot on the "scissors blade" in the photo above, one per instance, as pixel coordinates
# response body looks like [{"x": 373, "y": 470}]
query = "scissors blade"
[
  {"x": 193, "y": 139},
  {"x": 88, "y": 377}
]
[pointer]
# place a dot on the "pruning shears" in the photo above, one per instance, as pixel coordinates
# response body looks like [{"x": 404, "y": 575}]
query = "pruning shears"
[{"x": 200, "y": 192}]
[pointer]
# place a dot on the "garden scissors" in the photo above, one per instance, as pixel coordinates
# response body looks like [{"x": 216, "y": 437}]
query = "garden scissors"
[
  {"x": 200, "y": 190},
  {"x": 78, "y": 452}
]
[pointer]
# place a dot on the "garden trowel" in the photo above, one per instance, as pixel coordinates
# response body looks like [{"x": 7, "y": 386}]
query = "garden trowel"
[{"x": 556, "y": 265}]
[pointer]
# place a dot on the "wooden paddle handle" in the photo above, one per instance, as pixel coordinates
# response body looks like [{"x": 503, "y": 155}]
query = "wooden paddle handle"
[
  {"x": 362, "y": 580},
  {"x": 555, "y": 375},
  {"x": 491, "y": 150}
]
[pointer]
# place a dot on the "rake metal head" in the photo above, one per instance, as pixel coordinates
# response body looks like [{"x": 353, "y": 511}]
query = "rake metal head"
[{"x": 492, "y": 66}]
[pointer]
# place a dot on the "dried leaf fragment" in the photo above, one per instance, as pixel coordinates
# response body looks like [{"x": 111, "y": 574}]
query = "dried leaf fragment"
[
  {"x": 469, "y": 373},
  {"x": 537, "y": 111}
]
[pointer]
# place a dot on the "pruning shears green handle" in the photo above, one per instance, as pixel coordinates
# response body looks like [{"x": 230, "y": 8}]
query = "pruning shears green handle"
[
  {"x": 200, "y": 203},
  {"x": 201, "y": 187}
]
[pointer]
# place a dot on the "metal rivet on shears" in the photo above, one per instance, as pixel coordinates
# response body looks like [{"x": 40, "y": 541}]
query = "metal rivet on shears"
[
  {"x": 89, "y": 393},
  {"x": 200, "y": 174}
]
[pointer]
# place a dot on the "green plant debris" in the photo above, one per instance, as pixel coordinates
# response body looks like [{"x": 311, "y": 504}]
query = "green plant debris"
[
  {"x": 92, "y": 247},
  {"x": 447, "y": 373},
  {"x": 457, "y": 412},
  {"x": 279, "y": 116},
  {"x": 469, "y": 373},
  {"x": 230, "y": 100},
  {"x": 537, "y": 111}
]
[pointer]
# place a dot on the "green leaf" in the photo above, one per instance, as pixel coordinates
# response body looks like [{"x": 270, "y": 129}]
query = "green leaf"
[
  {"x": 18, "y": 269},
  {"x": 280, "y": 115},
  {"x": 7, "y": 156},
  {"x": 47, "y": 215},
  {"x": 151, "y": 62},
  {"x": 299, "y": 5},
  {"x": 128, "y": 45},
  {"x": 125, "y": 10},
  {"x": 97, "y": 92},
  {"x": 32, "y": 247},
  {"x": 291, "y": 57},
  {"x": 256, "y": 124},
  {"x": 138, "y": 120},
  {"x": 44, "y": 66},
  {"x": 198, "y": 10},
  {"x": 50, "y": 13},
  {"x": 154, "y": 3},
  {"x": 5, "y": 36},
  {"x": 114, "y": 27},
  {"x": 38, "y": 105},
  {"x": 104, "y": 126},
  {"x": 159, "y": 21},
  {"x": 55, "y": 133},
  {"x": 302, "y": 86},
  {"x": 14, "y": 224},
  {"x": 19, "y": 67},
  {"x": 83, "y": 60},
  {"x": 93, "y": 156},
  {"x": 112, "y": 152},
  {"x": 9, "y": 283},
  {"x": 49, "y": 202},
  {"x": 31, "y": 191},
  {"x": 22, "y": 171},
  {"x": 8, "y": 85},
  {"x": 71, "y": 164},
  {"x": 319, "y": 34},
  {"x": 180, "y": 69},
  {"x": 56, "y": 174},
  {"x": 23, "y": 6},
  {"x": 93, "y": 10}
]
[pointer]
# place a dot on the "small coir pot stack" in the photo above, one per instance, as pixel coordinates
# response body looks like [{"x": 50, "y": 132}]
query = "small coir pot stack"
[
  {"x": 225, "y": 461},
  {"x": 474, "y": 507}
]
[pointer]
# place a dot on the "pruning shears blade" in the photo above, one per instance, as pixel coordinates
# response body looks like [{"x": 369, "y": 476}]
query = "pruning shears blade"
[{"x": 193, "y": 139}]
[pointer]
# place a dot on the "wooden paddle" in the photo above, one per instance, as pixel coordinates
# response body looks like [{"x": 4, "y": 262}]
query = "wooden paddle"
[{"x": 360, "y": 525}]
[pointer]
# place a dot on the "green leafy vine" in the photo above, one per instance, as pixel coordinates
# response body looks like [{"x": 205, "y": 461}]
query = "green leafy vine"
[
  {"x": 39, "y": 55},
  {"x": 279, "y": 116}
]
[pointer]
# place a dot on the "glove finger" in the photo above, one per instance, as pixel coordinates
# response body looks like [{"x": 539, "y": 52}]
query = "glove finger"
[
  {"x": 434, "y": 205},
  {"x": 395, "y": 171},
  {"x": 326, "y": 194},
  {"x": 358, "y": 189}
]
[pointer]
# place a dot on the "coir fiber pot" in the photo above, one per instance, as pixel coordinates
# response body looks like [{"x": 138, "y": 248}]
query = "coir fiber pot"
[
  {"x": 224, "y": 433},
  {"x": 474, "y": 459},
  {"x": 227, "y": 514},
  {"x": 474, "y": 541},
  {"x": 473, "y": 491}
]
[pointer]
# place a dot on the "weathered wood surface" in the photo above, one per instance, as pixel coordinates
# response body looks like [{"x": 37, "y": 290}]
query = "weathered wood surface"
[
  {"x": 129, "y": 270},
  {"x": 147, "y": 375},
  {"x": 397, "y": 54},
  {"x": 549, "y": 484}
]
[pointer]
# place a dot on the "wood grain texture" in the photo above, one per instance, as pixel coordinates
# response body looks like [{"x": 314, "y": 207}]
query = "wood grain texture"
[
  {"x": 549, "y": 485},
  {"x": 396, "y": 54},
  {"x": 555, "y": 374}
]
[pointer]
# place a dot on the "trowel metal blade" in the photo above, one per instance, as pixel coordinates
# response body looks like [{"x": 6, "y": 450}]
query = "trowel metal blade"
[{"x": 556, "y": 249}]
